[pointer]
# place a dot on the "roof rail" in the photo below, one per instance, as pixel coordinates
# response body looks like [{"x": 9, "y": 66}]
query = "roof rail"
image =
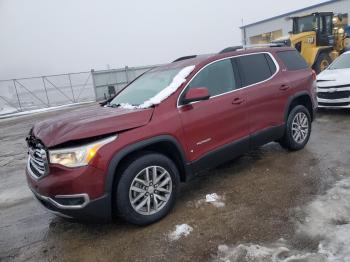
[
  {"x": 230, "y": 49},
  {"x": 245, "y": 47},
  {"x": 184, "y": 58},
  {"x": 264, "y": 45}
]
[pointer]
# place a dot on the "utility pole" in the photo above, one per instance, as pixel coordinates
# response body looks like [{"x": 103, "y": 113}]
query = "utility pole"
[{"x": 244, "y": 36}]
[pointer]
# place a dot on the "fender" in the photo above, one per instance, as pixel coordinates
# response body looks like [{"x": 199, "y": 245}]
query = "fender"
[
  {"x": 292, "y": 98},
  {"x": 137, "y": 146}
]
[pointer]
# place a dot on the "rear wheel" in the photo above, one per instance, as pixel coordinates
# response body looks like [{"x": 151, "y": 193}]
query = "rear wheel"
[
  {"x": 147, "y": 189},
  {"x": 298, "y": 129},
  {"x": 322, "y": 62}
]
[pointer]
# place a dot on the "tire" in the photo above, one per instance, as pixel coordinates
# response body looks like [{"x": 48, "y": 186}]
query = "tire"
[
  {"x": 290, "y": 139},
  {"x": 130, "y": 189},
  {"x": 322, "y": 62}
]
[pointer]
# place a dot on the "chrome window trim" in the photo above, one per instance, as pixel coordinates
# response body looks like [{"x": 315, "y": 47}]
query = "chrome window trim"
[{"x": 230, "y": 57}]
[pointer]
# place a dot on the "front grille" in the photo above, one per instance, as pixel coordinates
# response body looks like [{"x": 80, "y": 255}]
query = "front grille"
[
  {"x": 37, "y": 162},
  {"x": 334, "y": 104},
  {"x": 334, "y": 95},
  {"x": 328, "y": 87}
]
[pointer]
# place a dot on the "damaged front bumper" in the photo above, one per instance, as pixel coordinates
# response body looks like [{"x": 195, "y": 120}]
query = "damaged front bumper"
[{"x": 97, "y": 210}]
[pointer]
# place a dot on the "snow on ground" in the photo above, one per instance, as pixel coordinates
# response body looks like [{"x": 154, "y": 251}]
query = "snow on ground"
[
  {"x": 327, "y": 221},
  {"x": 7, "y": 110},
  {"x": 182, "y": 230},
  {"x": 213, "y": 199},
  {"x": 14, "y": 113}
]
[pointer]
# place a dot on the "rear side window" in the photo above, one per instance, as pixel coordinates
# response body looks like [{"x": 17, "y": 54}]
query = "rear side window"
[
  {"x": 292, "y": 60},
  {"x": 217, "y": 77},
  {"x": 255, "y": 68}
]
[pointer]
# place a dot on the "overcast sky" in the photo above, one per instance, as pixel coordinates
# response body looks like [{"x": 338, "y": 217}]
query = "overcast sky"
[{"x": 40, "y": 37}]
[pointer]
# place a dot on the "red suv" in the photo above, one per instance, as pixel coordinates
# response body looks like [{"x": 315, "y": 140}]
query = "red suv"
[{"x": 127, "y": 157}]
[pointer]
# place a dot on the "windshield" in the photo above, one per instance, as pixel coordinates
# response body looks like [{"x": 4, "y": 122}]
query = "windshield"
[
  {"x": 304, "y": 24},
  {"x": 145, "y": 87},
  {"x": 341, "y": 62}
]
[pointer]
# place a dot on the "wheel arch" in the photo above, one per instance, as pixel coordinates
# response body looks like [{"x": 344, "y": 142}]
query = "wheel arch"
[
  {"x": 301, "y": 98},
  {"x": 164, "y": 144}
]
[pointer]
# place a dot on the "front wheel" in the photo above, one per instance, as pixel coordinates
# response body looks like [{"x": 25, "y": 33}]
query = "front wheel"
[
  {"x": 323, "y": 61},
  {"x": 147, "y": 189},
  {"x": 298, "y": 129}
]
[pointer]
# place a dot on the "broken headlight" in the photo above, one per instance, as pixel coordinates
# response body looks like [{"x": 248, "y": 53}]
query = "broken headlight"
[{"x": 78, "y": 156}]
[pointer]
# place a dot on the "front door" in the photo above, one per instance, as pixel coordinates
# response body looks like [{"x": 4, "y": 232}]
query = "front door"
[{"x": 211, "y": 126}]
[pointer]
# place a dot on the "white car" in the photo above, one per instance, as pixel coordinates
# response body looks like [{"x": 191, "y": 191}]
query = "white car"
[{"x": 333, "y": 84}]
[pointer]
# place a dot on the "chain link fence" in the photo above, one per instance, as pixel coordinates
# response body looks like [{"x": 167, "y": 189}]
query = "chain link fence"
[
  {"x": 108, "y": 82},
  {"x": 32, "y": 93},
  {"x": 25, "y": 94}
]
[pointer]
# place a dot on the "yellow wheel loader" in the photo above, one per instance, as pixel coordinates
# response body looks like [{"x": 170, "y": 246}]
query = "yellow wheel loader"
[{"x": 319, "y": 37}]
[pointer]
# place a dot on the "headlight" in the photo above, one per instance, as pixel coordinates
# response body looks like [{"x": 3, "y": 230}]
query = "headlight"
[{"x": 78, "y": 156}]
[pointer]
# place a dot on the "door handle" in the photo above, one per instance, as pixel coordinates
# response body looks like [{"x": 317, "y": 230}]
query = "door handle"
[
  {"x": 237, "y": 101},
  {"x": 284, "y": 87}
]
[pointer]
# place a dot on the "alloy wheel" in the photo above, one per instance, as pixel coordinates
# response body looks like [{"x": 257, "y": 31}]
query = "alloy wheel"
[
  {"x": 150, "y": 190},
  {"x": 300, "y": 127}
]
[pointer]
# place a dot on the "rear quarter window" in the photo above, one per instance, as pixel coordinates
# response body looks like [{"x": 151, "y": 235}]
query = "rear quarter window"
[{"x": 292, "y": 60}]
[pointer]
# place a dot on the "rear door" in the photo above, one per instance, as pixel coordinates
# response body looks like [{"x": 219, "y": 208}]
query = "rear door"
[
  {"x": 265, "y": 91},
  {"x": 213, "y": 124}
]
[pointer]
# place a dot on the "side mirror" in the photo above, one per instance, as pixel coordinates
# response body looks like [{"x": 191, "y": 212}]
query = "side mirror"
[{"x": 196, "y": 94}]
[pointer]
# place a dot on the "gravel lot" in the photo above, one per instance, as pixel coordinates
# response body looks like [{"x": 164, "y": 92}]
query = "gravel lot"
[{"x": 262, "y": 199}]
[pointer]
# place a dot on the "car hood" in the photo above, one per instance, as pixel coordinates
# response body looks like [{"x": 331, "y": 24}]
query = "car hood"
[
  {"x": 89, "y": 122},
  {"x": 335, "y": 77}
]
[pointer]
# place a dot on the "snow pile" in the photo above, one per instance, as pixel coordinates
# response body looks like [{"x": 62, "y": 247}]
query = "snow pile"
[
  {"x": 256, "y": 253},
  {"x": 215, "y": 200},
  {"x": 328, "y": 218},
  {"x": 327, "y": 221},
  {"x": 178, "y": 80},
  {"x": 180, "y": 231}
]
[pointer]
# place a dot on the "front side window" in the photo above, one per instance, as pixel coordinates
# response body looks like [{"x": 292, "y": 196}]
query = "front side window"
[
  {"x": 341, "y": 62},
  {"x": 255, "y": 68},
  {"x": 217, "y": 77}
]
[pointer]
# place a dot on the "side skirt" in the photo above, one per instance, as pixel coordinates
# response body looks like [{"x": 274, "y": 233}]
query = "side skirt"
[
  {"x": 220, "y": 155},
  {"x": 266, "y": 136},
  {"x": 235, "y": 149}
]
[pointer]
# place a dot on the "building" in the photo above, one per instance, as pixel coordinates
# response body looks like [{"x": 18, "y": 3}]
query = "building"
[{"x": 275, "y": 27}]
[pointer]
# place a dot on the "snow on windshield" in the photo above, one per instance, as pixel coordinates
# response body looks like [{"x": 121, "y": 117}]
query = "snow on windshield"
[{"x": 177, "y": 81}]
